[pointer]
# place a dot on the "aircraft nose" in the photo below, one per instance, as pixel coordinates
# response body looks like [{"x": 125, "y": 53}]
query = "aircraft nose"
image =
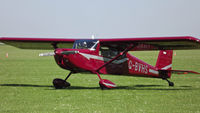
[
  {"x": 69, "y": 52},
  {"x": 64, "y": 52},
  {"x": 58, "y": 51}
]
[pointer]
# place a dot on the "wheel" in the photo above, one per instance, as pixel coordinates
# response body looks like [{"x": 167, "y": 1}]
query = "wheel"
[
  {"x": 171, "y": 84},
  {"x": 60, "y": 83},
  {"x": 103, "y": 87},
  {"x": 106, "y": 84}
]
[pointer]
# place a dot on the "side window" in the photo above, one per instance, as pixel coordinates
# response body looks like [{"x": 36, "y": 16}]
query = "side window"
[{"x": 108, "y": 52}]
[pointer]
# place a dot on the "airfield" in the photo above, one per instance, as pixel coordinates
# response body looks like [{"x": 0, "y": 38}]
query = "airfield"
[{"x": 26, "y": 86}]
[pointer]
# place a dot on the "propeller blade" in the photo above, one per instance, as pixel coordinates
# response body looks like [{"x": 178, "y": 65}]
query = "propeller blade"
[{"x": 47, "y": 54}]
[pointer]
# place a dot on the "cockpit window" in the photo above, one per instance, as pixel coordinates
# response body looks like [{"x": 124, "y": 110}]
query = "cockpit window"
[
  {"x": 85, "y": 44},
  {"x": 110, "y": 52}
]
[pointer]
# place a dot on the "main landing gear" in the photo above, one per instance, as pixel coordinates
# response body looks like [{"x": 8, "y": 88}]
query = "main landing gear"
[
  {"x": 169, "y": 82},
  {"x": 105, "y": 84},
  {"x": 60, "y": 83}
]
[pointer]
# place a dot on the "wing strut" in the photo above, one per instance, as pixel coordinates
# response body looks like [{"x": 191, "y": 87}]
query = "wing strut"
[
  {"x": 104, "y": 83},
  {"x": 54, "y": 44},
  {"x": 116, "y": 57}
]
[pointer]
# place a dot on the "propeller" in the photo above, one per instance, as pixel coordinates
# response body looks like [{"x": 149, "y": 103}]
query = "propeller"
[
  {"x": 47, "y": 54},
  {"x": 63, "y": 53}
]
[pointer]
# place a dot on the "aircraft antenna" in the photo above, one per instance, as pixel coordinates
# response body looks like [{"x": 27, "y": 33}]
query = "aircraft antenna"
[{"x": 92, "y": 37}]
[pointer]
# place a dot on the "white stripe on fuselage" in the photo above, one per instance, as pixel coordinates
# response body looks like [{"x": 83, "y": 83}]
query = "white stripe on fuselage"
[
  {"x": 167, "y": 67},
  {"x": 89, "y": 56},
  {"x": 164, "y": 68},
  {"x": 153, "y": 71}
]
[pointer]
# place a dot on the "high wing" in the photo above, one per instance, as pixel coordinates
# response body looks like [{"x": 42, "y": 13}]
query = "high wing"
[
  {"x": 138, "y": 44},
  {"x": 38, "y": 43},
  {"x": 153, "y": 43}
]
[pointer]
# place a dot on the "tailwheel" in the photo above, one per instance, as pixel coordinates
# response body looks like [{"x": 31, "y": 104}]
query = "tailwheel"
[
  {"x": 60, "y": 83},
  {"x": 106, "y": 84},
  {"x": 170, "y": 83}
]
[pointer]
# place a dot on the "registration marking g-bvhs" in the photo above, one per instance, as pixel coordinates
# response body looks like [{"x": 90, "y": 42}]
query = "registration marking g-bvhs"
[{"x": 138, "y": 67}]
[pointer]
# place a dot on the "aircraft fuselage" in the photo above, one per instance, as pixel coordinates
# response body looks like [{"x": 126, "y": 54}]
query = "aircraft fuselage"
[{"x": 84, "y": 60}]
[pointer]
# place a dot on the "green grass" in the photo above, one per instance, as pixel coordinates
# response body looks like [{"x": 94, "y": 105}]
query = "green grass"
[{"x": 26, "y": 87}]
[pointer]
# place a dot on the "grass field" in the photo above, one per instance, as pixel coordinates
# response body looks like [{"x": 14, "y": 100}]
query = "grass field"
[{"x": 26, "y": 87}]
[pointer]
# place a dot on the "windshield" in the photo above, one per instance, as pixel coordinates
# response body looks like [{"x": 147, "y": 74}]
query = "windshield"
[{"x": 85, "y": 44}]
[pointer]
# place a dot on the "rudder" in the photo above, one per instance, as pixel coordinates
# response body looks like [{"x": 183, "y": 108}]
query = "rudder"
[{"x": 164, "y": 61}]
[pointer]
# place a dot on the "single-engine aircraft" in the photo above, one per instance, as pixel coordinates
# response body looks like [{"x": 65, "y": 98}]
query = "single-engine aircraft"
[{"x": 109, "y": 56}]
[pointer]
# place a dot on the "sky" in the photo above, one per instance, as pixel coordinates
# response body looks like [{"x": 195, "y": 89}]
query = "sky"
[{"x": 101, "y": 18}]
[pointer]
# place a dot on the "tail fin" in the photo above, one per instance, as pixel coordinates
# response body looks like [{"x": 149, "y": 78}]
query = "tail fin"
[
  {"x": 164, "y": 65},
  {"x": 164, "y": 61}
]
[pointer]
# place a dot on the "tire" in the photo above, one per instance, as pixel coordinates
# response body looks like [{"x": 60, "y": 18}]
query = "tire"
[
  {"x": 171, "y": 84},
  {"x": 103, "y": 87},
  {"x": 60, "y": 83}
]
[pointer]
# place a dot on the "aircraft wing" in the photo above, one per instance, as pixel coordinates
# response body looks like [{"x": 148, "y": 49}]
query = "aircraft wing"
[
  {"x": 38, "y": 43},
  {"x": 138, "y": 44},
  {"x": 153, "y": 43}
]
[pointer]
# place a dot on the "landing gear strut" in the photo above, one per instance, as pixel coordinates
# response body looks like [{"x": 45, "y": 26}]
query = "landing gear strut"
[
  {"x": 105, "y": 84},
  {"x": 60, "y": 83},
  {"x": 170, "y": 83}
]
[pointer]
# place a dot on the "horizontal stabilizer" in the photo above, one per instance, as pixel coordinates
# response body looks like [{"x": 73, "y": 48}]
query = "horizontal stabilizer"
[{"x": 180, "y": 71}]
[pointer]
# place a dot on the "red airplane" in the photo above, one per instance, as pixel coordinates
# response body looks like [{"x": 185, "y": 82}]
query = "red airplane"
[{"x": 109, "y": 56}]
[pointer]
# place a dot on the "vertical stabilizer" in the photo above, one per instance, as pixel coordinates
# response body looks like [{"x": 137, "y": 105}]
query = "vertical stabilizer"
[{"x": 164, "y": 61}]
